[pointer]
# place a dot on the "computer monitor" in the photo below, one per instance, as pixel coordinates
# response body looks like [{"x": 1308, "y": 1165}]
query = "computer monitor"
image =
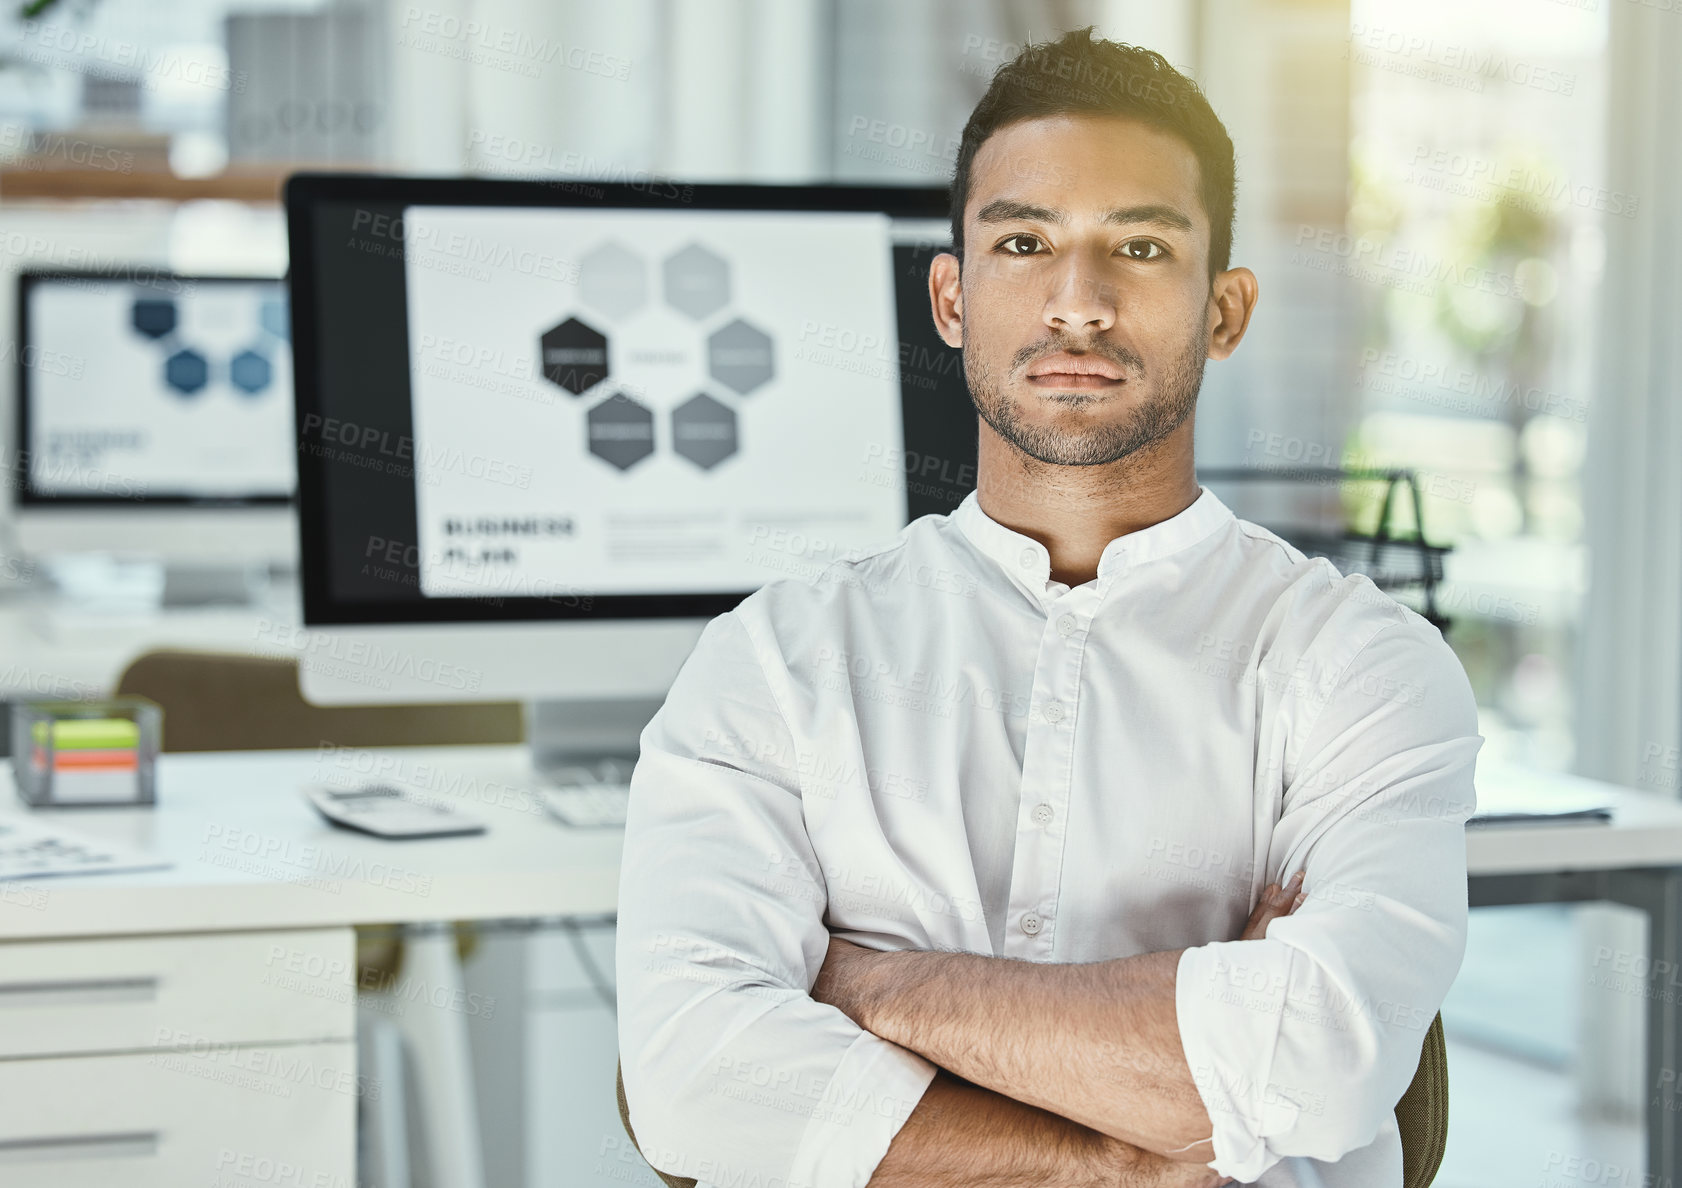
[
  {"x": 154, "y": 417},
  {"x": 549, "y": 429}
]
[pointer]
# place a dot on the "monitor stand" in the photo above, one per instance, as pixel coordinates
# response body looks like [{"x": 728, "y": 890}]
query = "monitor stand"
[
  {"x": 199, "y": 584},
  {"x": 599, "y": 734}
]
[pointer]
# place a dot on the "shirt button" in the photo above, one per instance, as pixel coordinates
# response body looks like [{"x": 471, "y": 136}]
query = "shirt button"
[
  {"x": 1042, "y": 814},
  {"x": 1053, "y": 713},
  {"x": 1028, "y": 558},
  {"x": 1066, "y": 625},
  {"x": 1031, "y": 924}
]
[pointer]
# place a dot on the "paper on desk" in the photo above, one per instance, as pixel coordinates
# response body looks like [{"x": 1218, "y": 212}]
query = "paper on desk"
[{"x": 1519, "y": 803}]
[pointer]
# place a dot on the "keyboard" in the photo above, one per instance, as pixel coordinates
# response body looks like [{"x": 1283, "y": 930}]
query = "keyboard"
[
  {"x": 588, "y": 797},
  {"x": 32, "y": 850}
]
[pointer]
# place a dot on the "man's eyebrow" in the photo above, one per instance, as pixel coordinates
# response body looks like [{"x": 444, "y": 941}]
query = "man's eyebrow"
[
  {"x": 1157, "y": 213},
  {"x": 1006, "y": 210}
]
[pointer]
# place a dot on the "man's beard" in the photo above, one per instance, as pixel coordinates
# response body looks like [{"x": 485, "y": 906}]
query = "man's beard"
[{"x": 1176, "y": 398}]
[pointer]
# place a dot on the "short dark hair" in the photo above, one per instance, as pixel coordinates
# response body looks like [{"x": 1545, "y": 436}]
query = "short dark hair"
[{"x": 1079, "y": 74}]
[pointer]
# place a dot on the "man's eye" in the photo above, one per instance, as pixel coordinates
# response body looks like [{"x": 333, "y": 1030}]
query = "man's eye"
[
  {"x": 1025, "y": 245},
  {"x": 1141, "y": 249}
]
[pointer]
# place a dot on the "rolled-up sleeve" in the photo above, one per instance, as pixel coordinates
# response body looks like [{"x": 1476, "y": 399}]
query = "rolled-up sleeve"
[
  {"x": 1302, "y": 1043},
  {"x": 733, "y": 1073}
]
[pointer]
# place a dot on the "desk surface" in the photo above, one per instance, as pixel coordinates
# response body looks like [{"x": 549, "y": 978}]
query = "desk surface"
[{"x": 250, "y": 853}]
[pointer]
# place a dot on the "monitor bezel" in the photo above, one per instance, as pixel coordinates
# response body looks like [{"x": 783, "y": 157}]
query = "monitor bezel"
[
  {"x": 304, "y": 191},
  {"x": 26, "y": 494}
]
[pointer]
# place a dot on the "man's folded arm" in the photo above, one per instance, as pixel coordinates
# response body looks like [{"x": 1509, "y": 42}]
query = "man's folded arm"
[
  {"x": 732, "y": 1072},
  {"x": 1298, "y": 1043},
  {"x": 1302, "y": 1043}
]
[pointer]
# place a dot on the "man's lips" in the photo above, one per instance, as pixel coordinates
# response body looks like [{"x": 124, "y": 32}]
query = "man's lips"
[{"x": 1067, "y": 371}]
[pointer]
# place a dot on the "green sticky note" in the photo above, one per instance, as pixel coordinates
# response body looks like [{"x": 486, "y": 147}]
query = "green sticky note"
[{"x": 76, "y": 734}]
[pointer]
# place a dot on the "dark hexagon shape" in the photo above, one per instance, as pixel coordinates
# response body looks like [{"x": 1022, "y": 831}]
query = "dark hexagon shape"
[
  {"x": 704, "y": 431},
  {"x": 739, "y": 356},
  {"x": 574, "y": 356},
  {"x": 620, "y": 431},
  {"x": 250, "y": 372},
  {"x": 613, "y": 279},
  {"x": 697, "y": 281},
  {"x": 154, "y": 318},
  {"x": 186, "y": 372},
  {"x": 273, "y": 317}
]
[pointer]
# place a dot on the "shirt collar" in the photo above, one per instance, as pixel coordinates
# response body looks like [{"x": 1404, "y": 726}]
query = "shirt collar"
[{"x": 1027, "y": 559}]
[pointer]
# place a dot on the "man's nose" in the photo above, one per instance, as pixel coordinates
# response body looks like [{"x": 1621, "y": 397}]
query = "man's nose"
[{"x": 1082, "y": 300}]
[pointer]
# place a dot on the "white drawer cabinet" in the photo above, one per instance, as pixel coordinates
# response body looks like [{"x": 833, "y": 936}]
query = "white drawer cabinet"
[
  {"x": 123, "y": 993},
  {"x": 282, "y": 1115},
  {"x": 205, "y": 1061}
]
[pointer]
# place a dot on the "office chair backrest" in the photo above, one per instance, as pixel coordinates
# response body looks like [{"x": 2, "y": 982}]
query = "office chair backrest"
[
  {"x": 1422, "y": 1113},
  {"x": 214, "y": 701}
]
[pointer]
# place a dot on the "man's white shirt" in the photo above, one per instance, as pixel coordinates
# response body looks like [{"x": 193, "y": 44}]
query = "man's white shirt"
[{"x": 935, "y": 746}]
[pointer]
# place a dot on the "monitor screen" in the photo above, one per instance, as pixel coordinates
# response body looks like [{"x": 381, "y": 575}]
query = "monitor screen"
[
  {"x": 154, "y": 388},
  {"x": 569, "y": 401}
]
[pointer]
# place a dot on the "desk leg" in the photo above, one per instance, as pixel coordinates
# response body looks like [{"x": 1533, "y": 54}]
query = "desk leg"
[
  {"x": 1659, "y": 894},
  {"x": 443, "y": 1065}
]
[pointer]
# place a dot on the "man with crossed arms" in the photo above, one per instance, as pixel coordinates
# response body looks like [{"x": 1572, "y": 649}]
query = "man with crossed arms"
[{"x": 1133, "y": 856}]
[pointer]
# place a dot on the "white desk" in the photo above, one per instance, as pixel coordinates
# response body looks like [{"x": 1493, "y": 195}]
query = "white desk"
[
  {"x": 251, "y": 855},
  {"x": 255, "y": 868}
]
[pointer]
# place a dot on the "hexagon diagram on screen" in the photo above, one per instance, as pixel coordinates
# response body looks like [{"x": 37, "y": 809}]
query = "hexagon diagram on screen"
[
  {"x": 574, "y": 356},
  {"x": 704, "y": 431},
  {"x": 739, "y": 357},
  {"x": 697, "y": 282},
  {"x": 250, "y": 372},
  {"x": 613, "y": 279},
  {"x": 620, "y": 431},
  {"x": 186, "y": 372},
  {"x": 273, "y": 316},
  {"x": 153, "y": 318}
]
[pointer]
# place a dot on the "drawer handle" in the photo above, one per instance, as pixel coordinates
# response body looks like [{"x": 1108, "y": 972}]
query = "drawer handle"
[
  {"x": 80, "y": 1146},
  {"x": 79, "y": 993}
]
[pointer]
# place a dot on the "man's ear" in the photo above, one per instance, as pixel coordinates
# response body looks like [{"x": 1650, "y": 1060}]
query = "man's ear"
[
  {"x": 946, "y": 298},
  {"x": 1232, "y": 299}
]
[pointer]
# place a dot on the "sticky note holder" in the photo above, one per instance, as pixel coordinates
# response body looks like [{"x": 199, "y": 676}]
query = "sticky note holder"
[{"x": 86, "y": 752}]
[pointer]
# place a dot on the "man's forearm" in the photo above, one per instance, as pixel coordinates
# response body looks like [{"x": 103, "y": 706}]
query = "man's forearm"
[
  {"x": 962, "y": 1135},
  {"x": 1095, "y": 1043}
]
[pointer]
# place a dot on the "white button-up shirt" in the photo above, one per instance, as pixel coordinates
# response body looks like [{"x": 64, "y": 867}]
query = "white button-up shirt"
[{"x": 935, "y": 746}]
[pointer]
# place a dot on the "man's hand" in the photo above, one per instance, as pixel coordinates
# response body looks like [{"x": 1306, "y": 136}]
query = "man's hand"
[{"x": 1275, "y": 901}]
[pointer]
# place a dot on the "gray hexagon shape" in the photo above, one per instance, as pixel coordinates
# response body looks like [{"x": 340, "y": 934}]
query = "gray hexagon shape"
[
  {"x": 613, "y": 279},
  {"x": 186, "y": 372},
  {"x": 250, "y": 372},
  {"x": 152, "y": 317},
  {"x": 620, "y": 431},
  {"x": 739, "y": 357},
  {"x": 574, "y": 356},
  {"x": 704, "y": 431},
  {"x": 697, "y": 281},
  {"x": 273, "y": 317}
]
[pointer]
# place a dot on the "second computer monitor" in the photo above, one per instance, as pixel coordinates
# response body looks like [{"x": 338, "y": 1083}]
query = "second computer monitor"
[{"x": 154, "y": 416}]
